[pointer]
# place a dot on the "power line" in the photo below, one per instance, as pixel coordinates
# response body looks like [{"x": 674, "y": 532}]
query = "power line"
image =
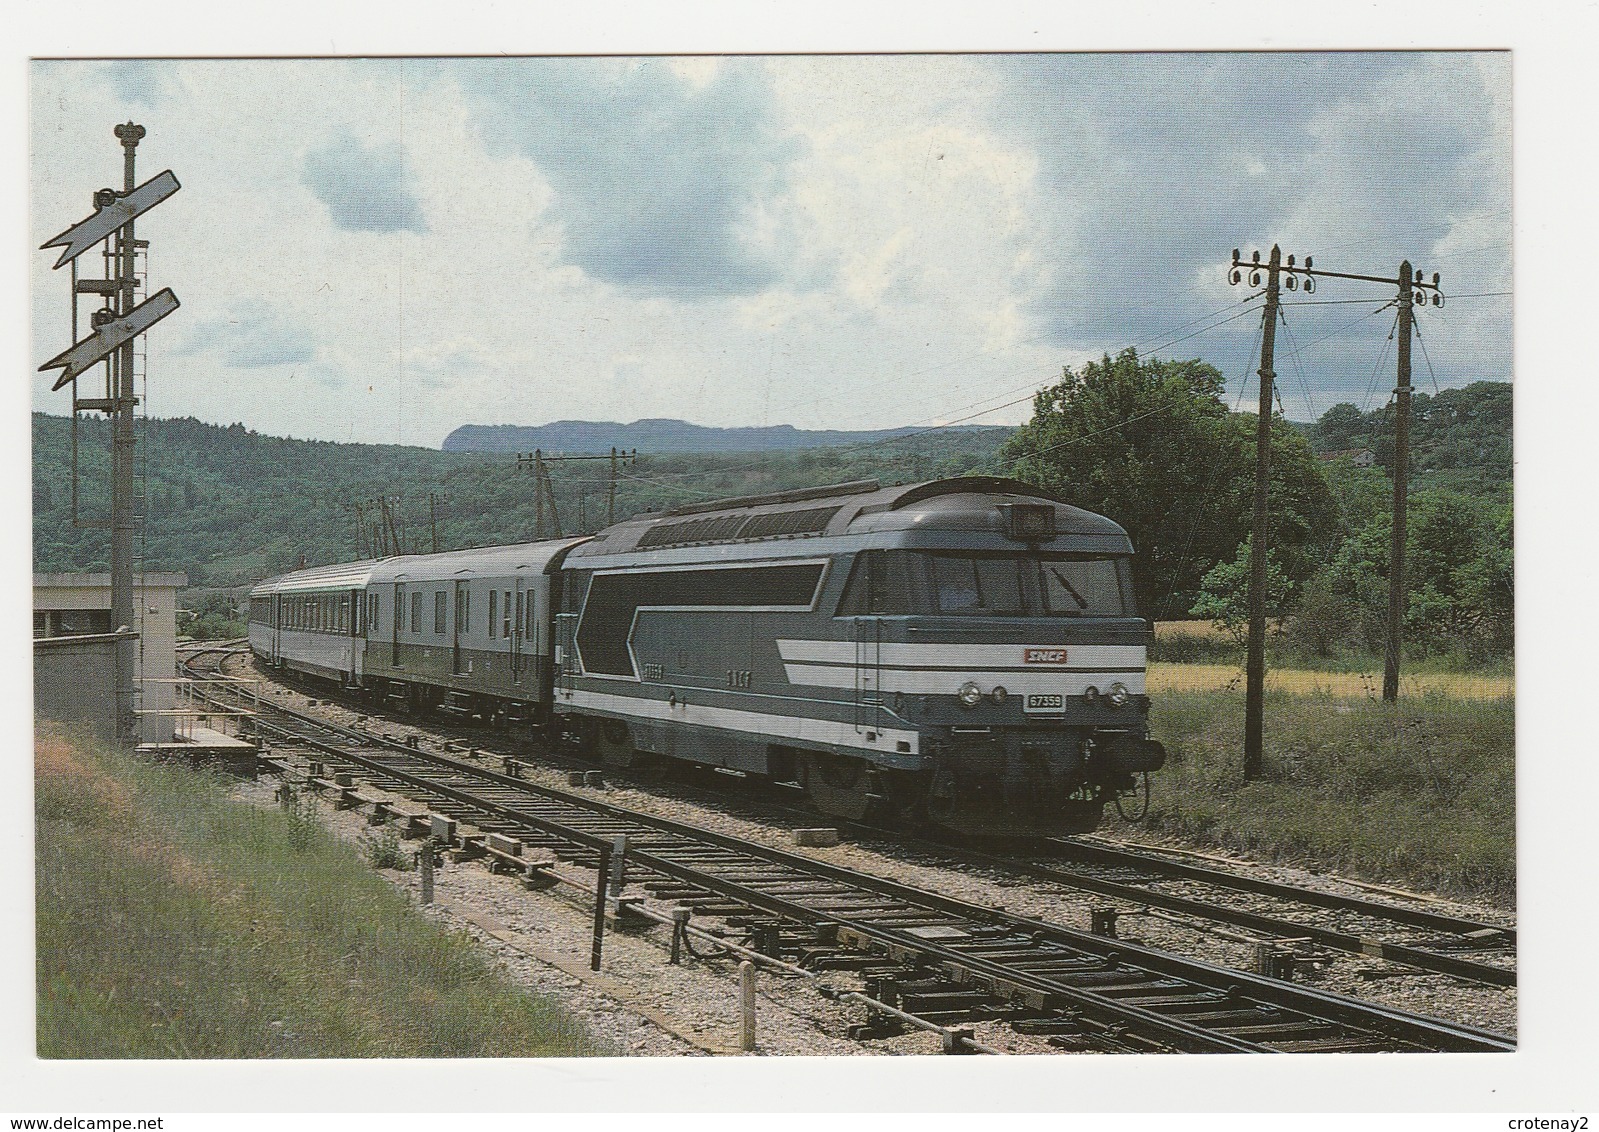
[{"x": 1382, "y": 356}]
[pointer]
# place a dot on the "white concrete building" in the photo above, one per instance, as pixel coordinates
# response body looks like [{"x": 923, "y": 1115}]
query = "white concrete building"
[{"x": 75, "y": 605}]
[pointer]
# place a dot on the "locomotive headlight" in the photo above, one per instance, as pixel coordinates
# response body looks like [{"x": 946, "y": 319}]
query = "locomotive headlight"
[
  {"x": 999, "y": 694},
  {"x": 1117, "y": 694},
  {"x": 1091, "y": 694},
  {"x": 969, "y": 694}
]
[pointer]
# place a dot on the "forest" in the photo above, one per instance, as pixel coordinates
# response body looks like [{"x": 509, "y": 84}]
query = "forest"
[{"x": 1150, "y": 443}]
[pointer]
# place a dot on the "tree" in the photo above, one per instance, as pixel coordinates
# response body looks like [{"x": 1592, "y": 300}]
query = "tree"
[
  {"x": 1459, "y": 585},
  {"x": 1224, "y": 594},
  {"x": 1150, "y": 444},
  {"x": 1341, "y": 427}
]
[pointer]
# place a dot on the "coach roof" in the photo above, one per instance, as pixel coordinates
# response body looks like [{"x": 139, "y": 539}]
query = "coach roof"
[{"x": 478, "y": 562}]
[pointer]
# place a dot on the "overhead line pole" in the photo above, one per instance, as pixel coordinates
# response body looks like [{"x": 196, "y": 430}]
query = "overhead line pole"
[
  {"x": 1412, "y": 289},
  {"x": 1293, "y": 276},
  {"x": 544, "y": 488},
  {"x": 1260, "y": 533},
  {"x": 1401, "y": 474}
]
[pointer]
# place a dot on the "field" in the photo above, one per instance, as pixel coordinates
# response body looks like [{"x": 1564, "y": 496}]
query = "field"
[
  {"x": 1421, "y": 792},
  {"x": 1348, "y": 685},
  {"x": 176, "y": 922}
]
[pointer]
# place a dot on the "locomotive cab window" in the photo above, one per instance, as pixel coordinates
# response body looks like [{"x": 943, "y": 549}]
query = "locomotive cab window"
[
  {"x": 1013, "y": 585},
  {"x": 879, "y": 585}
]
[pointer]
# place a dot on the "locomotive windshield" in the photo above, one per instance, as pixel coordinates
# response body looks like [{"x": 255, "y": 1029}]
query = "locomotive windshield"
[{"x": 975, "y": 584}]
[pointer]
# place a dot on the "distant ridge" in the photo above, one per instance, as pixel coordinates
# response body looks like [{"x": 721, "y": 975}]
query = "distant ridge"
[{"x": 662, "y": 435}]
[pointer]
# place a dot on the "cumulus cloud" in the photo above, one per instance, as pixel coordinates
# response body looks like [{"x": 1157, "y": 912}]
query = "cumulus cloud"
[
  {"x": 659, "y": 175},
  {"x": 366, "y": 186},
  {"x": 1154, "y": 167},
  {"x": 251, "y": 339}
]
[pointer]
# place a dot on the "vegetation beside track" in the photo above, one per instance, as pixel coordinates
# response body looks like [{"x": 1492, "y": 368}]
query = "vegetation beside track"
[
  {"x": 1419, "y": 793},
  {"x": 175, "y": 921}
]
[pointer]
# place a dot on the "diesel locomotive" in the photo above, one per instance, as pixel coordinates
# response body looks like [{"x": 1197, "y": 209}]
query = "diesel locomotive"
[{"x": 962, "y": 654}]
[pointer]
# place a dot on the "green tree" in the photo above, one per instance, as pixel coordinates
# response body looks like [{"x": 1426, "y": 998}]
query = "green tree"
[
  {"x": 1150, "y": 444},
  {"x": 1459, "y": 580},
  {"x": 1224, "y": 593}
]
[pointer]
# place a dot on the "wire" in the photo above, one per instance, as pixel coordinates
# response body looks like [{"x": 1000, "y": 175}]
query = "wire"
[
  {"x": 1381, "y": 357},
  {"x": 1304, "y": 382},
  {"x": 1205, "y": 496},
  {"x": 1428, "y": 358}
]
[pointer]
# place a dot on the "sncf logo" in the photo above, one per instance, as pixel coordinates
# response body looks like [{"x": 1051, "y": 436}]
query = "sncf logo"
[{"x": 1044, "y": 656}]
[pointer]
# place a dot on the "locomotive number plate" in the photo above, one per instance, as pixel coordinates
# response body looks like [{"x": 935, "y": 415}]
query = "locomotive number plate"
[{"x": 1041, "y": 701}]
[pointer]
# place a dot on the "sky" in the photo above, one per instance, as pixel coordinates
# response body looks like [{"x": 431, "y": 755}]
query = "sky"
[{"x": 382, "y": 250}]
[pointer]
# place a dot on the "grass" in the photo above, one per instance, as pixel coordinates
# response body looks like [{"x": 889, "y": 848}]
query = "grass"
[
  {"x": 174, "y": 921},
  {"x": 1419, "y": 793},
  {"x": 1202, "y": 642},
  {"x": 1164, "y": 678}
]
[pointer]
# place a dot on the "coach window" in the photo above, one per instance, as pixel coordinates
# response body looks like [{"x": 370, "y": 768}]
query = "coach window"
[
  {"x": 521, "y": 613},
  {"x": 463, "y": 610},
  {"x": 416, "y": 612},
  {"x": 372, "y": 614},
  {"x": 440, "y": 609},
  {"x": 507, "y": 625},
  {"x": 494, "y": 596}
]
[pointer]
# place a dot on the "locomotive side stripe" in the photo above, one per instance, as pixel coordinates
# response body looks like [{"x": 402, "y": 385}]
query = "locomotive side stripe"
[
  {"x": 826, "y": 731},
  {"x": 949, "y": 655},
  {"x": 943, "y": 682}
]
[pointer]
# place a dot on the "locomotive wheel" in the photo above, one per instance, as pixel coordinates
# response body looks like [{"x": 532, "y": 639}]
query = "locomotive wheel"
[{"x": 839, "y": 787}]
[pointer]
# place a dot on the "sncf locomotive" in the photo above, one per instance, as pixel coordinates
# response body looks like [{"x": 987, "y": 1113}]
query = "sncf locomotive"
[{"x": 962, "y": 654}]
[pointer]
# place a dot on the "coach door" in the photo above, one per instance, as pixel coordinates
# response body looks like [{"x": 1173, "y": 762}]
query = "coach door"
[
  {"x": 519, "y": 619},
  {"x": 394, "y": 624},
  {"x": 462, "y": 596}
]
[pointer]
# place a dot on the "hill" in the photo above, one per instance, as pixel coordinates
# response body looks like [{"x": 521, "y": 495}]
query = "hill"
[
  {"x": 229, "y": 506},
  {"x": 1459, "y": 438},
  {"x": 662, "y": 435}
]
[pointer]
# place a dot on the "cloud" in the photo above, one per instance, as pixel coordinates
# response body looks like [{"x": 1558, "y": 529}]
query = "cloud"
[
  {"x": 365, "y": 187},
  {"x": 659, "y": 175},
  {"x": 143, "y": 82},
  {"x": 1154, "y": 167},
  {"x": 251, "y": 339}
]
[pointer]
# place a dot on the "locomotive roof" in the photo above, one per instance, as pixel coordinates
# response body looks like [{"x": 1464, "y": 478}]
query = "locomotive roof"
[{"x": 965, "y": 503}]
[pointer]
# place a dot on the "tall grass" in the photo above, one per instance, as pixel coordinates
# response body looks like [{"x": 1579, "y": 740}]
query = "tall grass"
[
  {"x": 1422, "y": 791},
  {"x": 175, "y": 922}
]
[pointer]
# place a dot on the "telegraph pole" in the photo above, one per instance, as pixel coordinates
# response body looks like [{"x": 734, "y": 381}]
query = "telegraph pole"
[
  {"x": 1401, "y": 474},
  {"x": 544, "y": 488},
  {"x": 1260, "y": 532}
]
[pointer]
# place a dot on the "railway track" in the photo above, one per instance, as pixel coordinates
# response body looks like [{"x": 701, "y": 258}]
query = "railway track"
[
  {"x": 1359, "y": 926},
  {"x": 940, "y": 958}
]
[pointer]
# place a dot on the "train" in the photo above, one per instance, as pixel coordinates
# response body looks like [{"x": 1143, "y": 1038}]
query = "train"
[{"x": 962, "y": 655}]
